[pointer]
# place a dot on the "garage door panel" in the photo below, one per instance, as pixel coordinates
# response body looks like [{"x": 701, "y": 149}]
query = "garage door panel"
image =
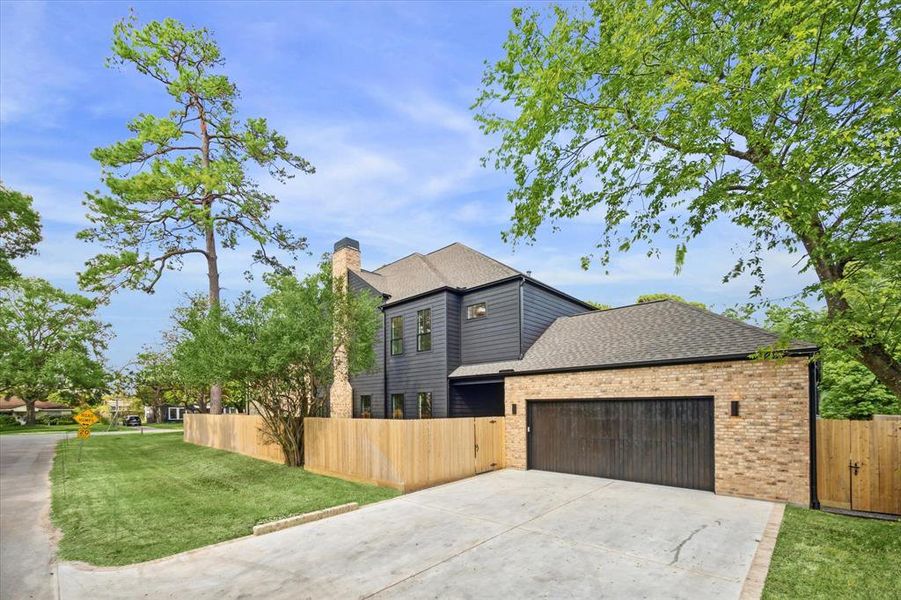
[{"x": 662, "y": 441}]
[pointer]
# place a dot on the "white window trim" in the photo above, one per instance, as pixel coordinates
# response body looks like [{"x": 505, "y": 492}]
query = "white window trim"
[{"x": 179, "y": 413}]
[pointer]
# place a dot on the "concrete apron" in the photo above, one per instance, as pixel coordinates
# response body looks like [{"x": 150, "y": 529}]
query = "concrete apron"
[{"x": 508, "y": 533}]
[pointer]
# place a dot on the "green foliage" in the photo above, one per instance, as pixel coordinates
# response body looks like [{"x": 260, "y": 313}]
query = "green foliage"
[
  {"x": 20, "y": 229},
  {"x": 848, "y": 390},
  {"x": 8, "y": 420},
  {"x": 662, "y": 296},
  {"x": 181, "y": 179},
  {"x": 46, "y": 419},
  {"x": 599, "y": 305},
  {"x": 780, "y": 116},
  {"x": 277, "y": 351},
  {"x": 50, "y": 342}
]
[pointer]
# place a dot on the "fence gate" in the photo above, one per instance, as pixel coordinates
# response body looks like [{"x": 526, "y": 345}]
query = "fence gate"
[
  {"x": 859, "y": 464},
  {"x": 489, "y": 443}
]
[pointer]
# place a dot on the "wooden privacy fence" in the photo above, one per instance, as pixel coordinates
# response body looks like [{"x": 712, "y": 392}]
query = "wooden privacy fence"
[
  {"x": 403, "y": 454},
  {"x": 859, "y": 464},
  {"x": 236, "y": 433}
]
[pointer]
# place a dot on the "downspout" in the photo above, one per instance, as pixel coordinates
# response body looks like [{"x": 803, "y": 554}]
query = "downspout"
[
  {"x": 522, "y": 281},
  {"x": 813, "y": 374},
  {"x": 384, "y": 364}
]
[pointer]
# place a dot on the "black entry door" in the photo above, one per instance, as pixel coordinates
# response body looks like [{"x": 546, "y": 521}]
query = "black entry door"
[{"x": 663, "y": 441}]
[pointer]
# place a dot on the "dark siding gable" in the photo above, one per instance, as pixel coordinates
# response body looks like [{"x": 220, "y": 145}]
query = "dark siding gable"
[
  {"x": 540, "y": 309},
  {"x": 496, "y": 335}
]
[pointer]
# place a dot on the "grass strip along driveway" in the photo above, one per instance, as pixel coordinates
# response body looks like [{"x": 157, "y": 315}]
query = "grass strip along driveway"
[
  {"x": 822, "y": 555},
  {"x": 125, "y": 499}
]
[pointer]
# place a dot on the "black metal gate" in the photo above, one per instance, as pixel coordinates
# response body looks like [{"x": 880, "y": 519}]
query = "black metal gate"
[{"x": 667, "y": 441}]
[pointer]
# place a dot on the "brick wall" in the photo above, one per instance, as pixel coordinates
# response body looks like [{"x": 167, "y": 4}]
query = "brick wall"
[
  {"x": 344, "y": 259},
  {"x": 763, "y": 453}
]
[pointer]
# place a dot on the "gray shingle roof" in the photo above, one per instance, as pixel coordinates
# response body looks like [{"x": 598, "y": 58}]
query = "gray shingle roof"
[
  {"x": 456, "y": 266},
  {"x": 662, "y": 331}
]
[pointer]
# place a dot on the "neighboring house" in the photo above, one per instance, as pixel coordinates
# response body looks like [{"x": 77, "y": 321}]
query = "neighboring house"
[
  {"x": 176, "y": 412},
  {"x": 661, "y": 392},
  {"x": 16, "y": 408}
]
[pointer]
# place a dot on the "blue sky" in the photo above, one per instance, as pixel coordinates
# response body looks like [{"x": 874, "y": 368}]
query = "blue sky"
[{"x": 376, "y": 96}]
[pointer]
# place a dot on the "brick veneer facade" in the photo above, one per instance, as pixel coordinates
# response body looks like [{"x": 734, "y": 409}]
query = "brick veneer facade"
[
  {"x": 346, "y": 257},
  {"x": 763, "y": 453}
]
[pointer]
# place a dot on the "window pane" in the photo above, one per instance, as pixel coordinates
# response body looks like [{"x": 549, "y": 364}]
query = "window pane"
[
  {"x": 397, "y": 406},
  {"x": 366, "y": 406},
  {"x": 424, "y": 330},
  {"x": 425, "y": 405},
  {"x": 474, "y": 311},
  {"x": 397, "y": 335}
]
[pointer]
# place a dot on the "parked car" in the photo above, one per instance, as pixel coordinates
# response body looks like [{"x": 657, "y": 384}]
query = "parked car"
[{"x": 132, "y": 421}]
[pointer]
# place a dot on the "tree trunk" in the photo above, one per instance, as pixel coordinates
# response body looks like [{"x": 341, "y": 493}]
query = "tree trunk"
[
  {"x": 211, "y": 258},
  {"x": 886, "y": 369},
  {"x": 29, "y": 412},
  {"x": 873, "y": 355}
]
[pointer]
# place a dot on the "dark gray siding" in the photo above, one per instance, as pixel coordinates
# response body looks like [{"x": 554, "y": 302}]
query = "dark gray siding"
[
  {"x": 372, "y": 382},
  {"x": 481, "y": 400},
  {"x": 413, "y": 372},
  {"x": 454, "y": 306},
  {"x": 540, "y": 308},
  {"x": 496, "y": 335}
]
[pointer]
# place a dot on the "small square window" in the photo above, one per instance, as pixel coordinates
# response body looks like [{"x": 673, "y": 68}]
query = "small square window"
[
  {"x": 424, "y": 330},
  {"x": 366, "y": 407},
  {"x": 476, "y": 311},
  {"x": 397, "y": 406},
  {"x": 425, "y": 405}
]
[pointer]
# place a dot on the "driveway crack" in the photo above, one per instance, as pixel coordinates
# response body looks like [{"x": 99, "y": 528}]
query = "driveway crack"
[{"x": 678, "y": 549}]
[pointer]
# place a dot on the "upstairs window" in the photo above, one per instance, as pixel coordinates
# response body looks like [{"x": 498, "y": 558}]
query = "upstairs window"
[
  {"x": 476, "y": 311},
  {"x": 397, "y": 406},
  {"x": 366, "y": 407},
  {"x": 425, "y": 405},
  {"x": 397, "y": 335},
  {"x": 424, "y": 330}
]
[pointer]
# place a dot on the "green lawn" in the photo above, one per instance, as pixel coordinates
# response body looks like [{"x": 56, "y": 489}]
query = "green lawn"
[
  {"x": 131, "y": 498},
  {"x": 822, "y": 555},
  {"x": 11, "y": 429}
]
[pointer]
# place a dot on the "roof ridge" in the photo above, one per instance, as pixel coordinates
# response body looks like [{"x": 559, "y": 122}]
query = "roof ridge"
[
  {"x": 480, "y": 253},
  {"x": 725, "y": 318},
  {"x": 410, "y": 255},
  {"x": 603, "y": 310}
]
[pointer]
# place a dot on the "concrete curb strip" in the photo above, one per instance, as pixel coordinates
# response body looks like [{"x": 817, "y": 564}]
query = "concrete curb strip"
[
  {"x": 264, "y": 528},
  {"x": 756, "y": 579}
]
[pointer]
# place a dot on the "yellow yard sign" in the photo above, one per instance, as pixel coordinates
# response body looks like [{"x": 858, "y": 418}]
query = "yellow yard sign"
[{"x": 86, "y": 418}]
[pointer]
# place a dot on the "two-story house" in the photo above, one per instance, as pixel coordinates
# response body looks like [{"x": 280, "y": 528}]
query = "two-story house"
[
  {"x": 661, "y": 392},
  {"x": 451, "y": 307}
]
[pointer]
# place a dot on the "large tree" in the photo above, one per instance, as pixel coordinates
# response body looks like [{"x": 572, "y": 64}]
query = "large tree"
[
  {"x": 20, "y": 229},
  {"x": 281, "y": 348},
  {"x": 847, "y": 389},
  {"x": 50, "y": 343},
  {"x": 664, "y": 116},
  {"x": 179, "y": 186}
]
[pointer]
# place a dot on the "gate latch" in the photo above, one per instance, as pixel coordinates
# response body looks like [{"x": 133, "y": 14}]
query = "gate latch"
[{"x": 854, "y": 467}]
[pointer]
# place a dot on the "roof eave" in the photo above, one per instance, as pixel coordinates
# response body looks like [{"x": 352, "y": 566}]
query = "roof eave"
[{"x": 638, "y": 364}]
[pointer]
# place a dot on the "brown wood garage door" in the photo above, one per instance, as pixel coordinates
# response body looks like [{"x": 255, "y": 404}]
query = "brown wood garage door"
[{"x": 663, "y": 441}]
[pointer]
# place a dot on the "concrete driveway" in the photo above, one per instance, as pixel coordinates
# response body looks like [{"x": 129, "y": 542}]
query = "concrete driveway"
[{"x": 508, "y": 534}]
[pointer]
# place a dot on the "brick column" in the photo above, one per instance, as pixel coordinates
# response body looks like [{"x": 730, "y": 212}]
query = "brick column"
[{"x": 346, "y": 257}]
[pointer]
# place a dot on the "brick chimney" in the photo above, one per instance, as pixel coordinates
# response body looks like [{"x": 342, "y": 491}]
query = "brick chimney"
[{"x": 346, "y": 257}]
